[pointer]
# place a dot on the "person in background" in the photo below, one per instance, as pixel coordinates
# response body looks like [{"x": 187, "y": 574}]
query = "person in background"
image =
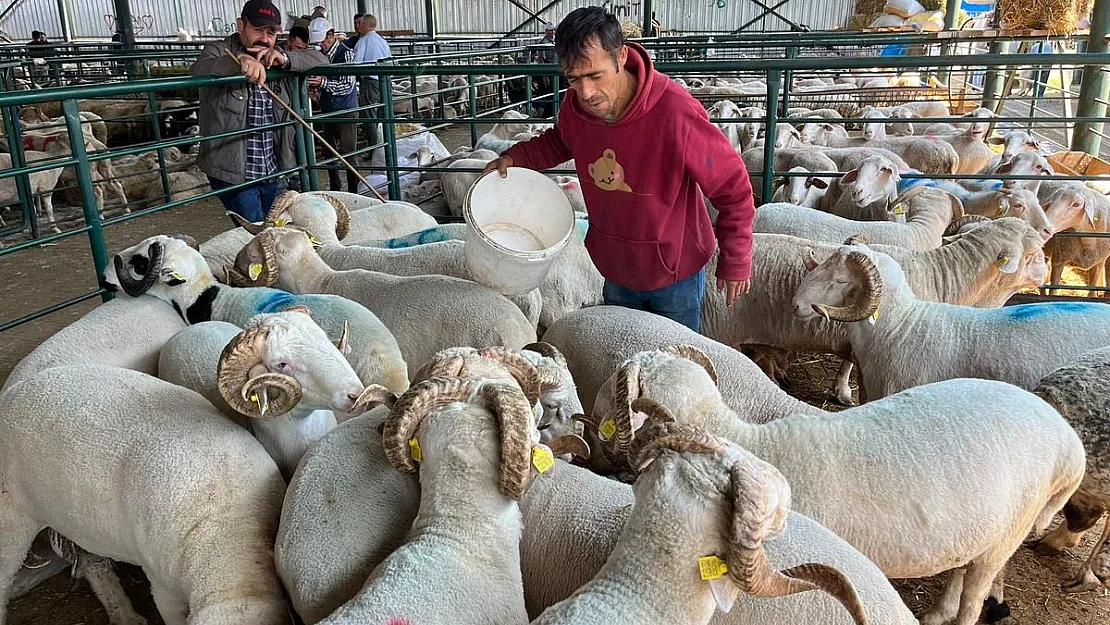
[
  {"x": 646, "y": 153},
  {"x": 352, "y": 40},
  {"x": 254, "y": 156},
  {"x": 544, "y": 85},
  {"x": 371, "y": 48},
  {"x": 297, "y": 39},
  {"x": 337, "y": 93}
]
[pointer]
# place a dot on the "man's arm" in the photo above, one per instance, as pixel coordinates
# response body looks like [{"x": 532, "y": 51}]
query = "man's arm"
[
  {"x": 302, "y": 60},
  {"x": 543, "y": 152},
  {"x": 713, "y": 163},
  {"x": 214, "y": 61}
]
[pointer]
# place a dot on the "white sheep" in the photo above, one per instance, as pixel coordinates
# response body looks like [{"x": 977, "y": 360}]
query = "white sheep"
[
  {"x": 139, "y": 470},
  {"x": 968, "y": 142},
  {"x": 799, "y": 190},
  {"x": 301, "y": 381},
  {"x": 424, "y": 313},
  {"x": 966, "y": 271},
  {"x": 930, "y": 155},
  {"x": 868, "y": 291},
  {"x": 473, "y": 442},
  {"x": 169, "y": 270},
  {"x": 1015, "y": 142},
  {"x": 347, "y": 509},
  {"x": 928, "y": 212},
  {"x": 916, "y": 459},
  {"x": 698, "y": 500},
  {"x": 866, "y": 193}
]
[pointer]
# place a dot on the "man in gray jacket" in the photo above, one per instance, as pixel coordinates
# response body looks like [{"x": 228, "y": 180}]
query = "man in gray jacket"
[{"x": 256, "y": 155}]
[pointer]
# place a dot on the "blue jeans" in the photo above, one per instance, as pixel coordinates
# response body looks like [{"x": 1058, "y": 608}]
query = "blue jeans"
[
  {"x": 680, "y": 301},
  {"x": 251, "y": 203}
]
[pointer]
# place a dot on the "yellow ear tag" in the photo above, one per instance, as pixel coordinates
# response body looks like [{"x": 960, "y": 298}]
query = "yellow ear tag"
[
  {"x": 1001, "y": 211},
  {"x": 281, "y": 222},
  {"x": 1002, "y": 261},
  {"x": 607, "y": 429},
  {"x": 414, "y": 449},
  {"x": 255, "y": 270},
  {"x": 314, "y": 241},
  {"x": 712, "y": 567},
  {"x": 874, "y": 317},
  {"x": 542, "y": 458},
  {"x": 899, "y": 209},
  {"x": 256, "y": 400},
  {"x": 177, "y": 276}
]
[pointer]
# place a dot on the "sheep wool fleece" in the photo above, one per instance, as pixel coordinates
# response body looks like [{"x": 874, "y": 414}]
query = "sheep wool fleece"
[{"x": 649, "y": 227}]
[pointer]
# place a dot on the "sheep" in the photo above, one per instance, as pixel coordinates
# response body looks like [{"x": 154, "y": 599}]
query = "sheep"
[
  {"x": 964, "y": 272},
  {"x": 873, "y": 130},
  {"x": 786, "y": 137},
  {"x": 974, "y": 521},
  {"x": 1078, "y": 391},
  {"x": 468, "y": 505},
  {"x": 847, "y": 159},
  {"x": 42, "y": 182},
  {"x": 456, "y": 184},
  {"x": 142, "y": 471},
  {"x": 867, "y": 193},
  {"x": 1087, "y": 254},
  {"x": 945, "y": 342},
  {"x": 347, "y": 509},
  {"x": 444, "y": 258},
  {"x": 329, "y": 221},
  {"x": 1075, "y": 205},
  {"x": 595, "y": 340},
  {"x": 784, "y": 160},
  {"x": 171, "y": 271},
  {"x": 815, "y": 133},
  {"x": 799, "y": 190},
  {"x": 1015, "y": 142},
  {"x": 1022, "y": 164},
  {"x": 424, "y": 313},
  {"x": 973, "y": 152},
  {"x": 697, "y": 496},
  {"x": 929, "y": 212},
  {"x": 1020, "y": 203},
  {"x": 314, "y": 384},
  {"x": 930, "y": 155}
]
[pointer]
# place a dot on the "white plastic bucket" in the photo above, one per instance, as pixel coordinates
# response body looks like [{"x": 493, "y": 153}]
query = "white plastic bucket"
[{"x": 516, "y": 226}]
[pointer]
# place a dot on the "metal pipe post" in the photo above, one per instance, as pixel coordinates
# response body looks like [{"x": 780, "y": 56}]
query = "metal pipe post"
[
  {"x": 85, "y": 184},
  {"x": 363, "y": 7},
  {"x": 123, "y": 24},
  {"x": 298, "y": 99},
  {"x": 63, "y": 17},
  {"x": 649, "y": 9},
  {"x": 430, "y": 18},
  {"x": 389, "y": 132},
  {"x": 1095, "y": 89},
  {"x": 774, "y": 83},
  {"x": 22, "y": 182}
]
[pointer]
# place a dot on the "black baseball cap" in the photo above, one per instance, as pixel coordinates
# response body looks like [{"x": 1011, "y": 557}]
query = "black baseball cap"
[{"x": 261, "y": 13}]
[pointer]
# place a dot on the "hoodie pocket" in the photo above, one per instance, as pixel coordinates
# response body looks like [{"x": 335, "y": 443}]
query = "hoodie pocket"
[{"x": 637, "y": 265}]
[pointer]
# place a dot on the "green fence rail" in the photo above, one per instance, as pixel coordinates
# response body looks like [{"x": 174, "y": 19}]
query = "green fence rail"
[{"x": 471, "y": 66}]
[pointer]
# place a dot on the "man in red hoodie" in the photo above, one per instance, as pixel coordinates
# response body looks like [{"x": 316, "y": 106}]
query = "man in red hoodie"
[{"x": 646, "y": 152}]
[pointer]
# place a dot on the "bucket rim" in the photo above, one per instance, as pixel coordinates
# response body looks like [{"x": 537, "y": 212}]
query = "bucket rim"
[{"x": 540, "y": 255}]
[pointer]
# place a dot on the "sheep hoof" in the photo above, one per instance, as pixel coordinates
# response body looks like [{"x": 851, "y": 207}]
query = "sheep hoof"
[
  {"x": 993, "y": 611},
  {"x": 1084, "y": 582},
  {"x": 844, "y": 398}
]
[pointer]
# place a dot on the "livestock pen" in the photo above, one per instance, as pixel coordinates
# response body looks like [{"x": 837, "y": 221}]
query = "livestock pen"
[{"x": 445, "y": 96}]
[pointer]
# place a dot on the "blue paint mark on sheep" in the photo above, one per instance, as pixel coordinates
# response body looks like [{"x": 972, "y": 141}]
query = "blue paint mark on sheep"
[
  {"x": 276, "y": 302},
  {"x": 1028, "y": 312}
]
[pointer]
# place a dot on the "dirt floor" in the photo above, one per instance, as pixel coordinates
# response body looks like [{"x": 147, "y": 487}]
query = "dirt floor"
[{"x": 40, "y": 277}]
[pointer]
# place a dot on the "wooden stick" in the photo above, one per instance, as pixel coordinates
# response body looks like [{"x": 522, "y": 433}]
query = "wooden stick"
[{"x": 314, "y": 133}]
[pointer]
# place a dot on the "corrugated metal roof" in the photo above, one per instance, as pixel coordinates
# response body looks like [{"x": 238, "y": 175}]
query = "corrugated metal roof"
[{"x": 162, "y": 18}]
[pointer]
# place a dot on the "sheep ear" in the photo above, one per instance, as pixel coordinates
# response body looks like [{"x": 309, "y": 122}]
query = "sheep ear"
[
  {"x": 778, "y": 182},
  {"x": 850, "y": 176},
  {"x": 996, "y": 141},
  {"x": 828, "y": 127},
  {"x": 817, "y": 182},
  {"x": 725, "y": 592},
  {"x": 1089, "y": 208},
  {"x": 1005, "y": 169},
  {"x": 571, "y": 444},
  {"x": 1008, "y": 264}
]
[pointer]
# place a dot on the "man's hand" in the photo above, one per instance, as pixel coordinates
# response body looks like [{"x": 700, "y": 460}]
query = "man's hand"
[
  {"x": 268, "y": 57},
  {"x": 734, "y": 289},
  {"x": 501, "y": 164},
  {"x": 252, "y": 69}
]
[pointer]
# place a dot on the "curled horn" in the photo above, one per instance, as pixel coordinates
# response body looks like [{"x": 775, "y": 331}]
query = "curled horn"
[
  {"x": 547, "y": 350},
  {"x": 868, "y": 301},
  {"x": 283, "y": 201},
  {"x": 453, "y": 366},
  {"x": 523, "y": 371},
  {"x": 627, "y": 390},
  {"x": 655, "y": 411},
  {"x": 269, "y": 274},
  {"x": 689, "y": 352},
  {"x": 342, "y": 215},
  {"x": 238, "y": 377},
  {"x": 748, "y": 566},
  {"x": 190, "y": 241},
  {"x": 409, "y": 411},
  {"x": 668, "y": 435},
  {"x": 135, "y": 288},
  {"x": 374, "y": 395},
  {"x": 514, "y": 414},
  {"x": 958, "y": 224},
  {"x": 246, "y": 224}
]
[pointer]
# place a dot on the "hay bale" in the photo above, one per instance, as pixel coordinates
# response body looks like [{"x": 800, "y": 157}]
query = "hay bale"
[
  {"x": 859, "y": 22},
  {"x": 865, "y": 7},
  {"x": 631, "y": 30},
  {"x": 1057, "y": 16},
  {"x": 933, "y": 5}
]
